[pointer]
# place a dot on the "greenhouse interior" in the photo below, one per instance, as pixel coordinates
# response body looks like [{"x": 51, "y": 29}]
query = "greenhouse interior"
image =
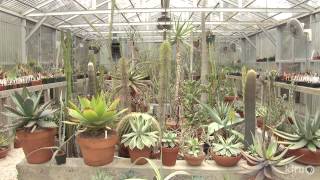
[{"x": 159, "y": 89}]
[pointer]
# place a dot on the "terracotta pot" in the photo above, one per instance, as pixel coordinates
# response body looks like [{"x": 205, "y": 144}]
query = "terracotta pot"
[
  {"x": 169, "y": 156},
  {"x": 3, "y": 152},
  {"x": 225, "y": 160},
  {"x": 97, "y": 151},
  {"x": 33, "y": 141},
  {"x": 307, "y": 157},
  {"x": 241, "y": 113},
  {"x": 194, "y": 161},
  {"x": 137, "y": 153},
  {"x": 155, "y": 154},
  {"x": 36, "y": 82},
  {"x": 230, "y": 99},
  {"x": 17, "y": 142},
  {"x": 123, "y": 151}
]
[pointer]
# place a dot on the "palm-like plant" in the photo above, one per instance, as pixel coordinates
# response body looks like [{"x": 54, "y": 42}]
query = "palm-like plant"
[
  {"x": 180, "y": 33},
  {"x": 141, "y": 136},
  {"x": 266, "y": 159},
  {"x": 96, "y": 114},
  {"x": 227, "y": 147},
  {"x": 29, "y": 112},
  {"x": 306, "y": 133}
]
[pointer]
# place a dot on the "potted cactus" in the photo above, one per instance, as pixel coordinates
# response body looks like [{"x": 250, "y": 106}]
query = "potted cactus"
[
  {"x": 169, "y": 149},
  {"x": 94, "y": 120},
  {"x": 304, "y": 142},
  {"x": 141, "y": 139},
  {"x": 33, "y": 129},
  {"x": 227, "y": 152},
  {"x": 4, "y": 146},
  {"x": 193, "y": 153}
]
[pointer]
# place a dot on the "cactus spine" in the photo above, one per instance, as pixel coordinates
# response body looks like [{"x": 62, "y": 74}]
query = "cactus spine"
[
  {"x": 165, "y": 59},
  {"x": 250, "y": 107},
  {"x": 92, "y": 87}
]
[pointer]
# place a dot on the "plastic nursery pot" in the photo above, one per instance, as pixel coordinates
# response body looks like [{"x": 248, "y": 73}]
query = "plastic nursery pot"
[
  {"x": 169, "y": 156},
  {"x": 97, "y": 151},
  {"x": 225, "y": 160},
  {"x": 307, "y": 157},
  {"x": 194, "y": 161},
  {"x": 34, "y": 141},
  {"x": 61, "y": 157},
  {"x": 230, "y": 99},
  {"x": 137, "y": 153},
  {"x": 3, "y": 152}
]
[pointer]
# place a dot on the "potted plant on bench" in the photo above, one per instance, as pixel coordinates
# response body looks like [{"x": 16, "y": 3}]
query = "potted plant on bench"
[
  {"x": 193, "y": 154},
  {"x": 169, "y": 149},
  {"x": 33, "y": 129}
]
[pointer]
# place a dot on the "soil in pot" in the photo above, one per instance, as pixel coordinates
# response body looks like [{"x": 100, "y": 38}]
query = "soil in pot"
[
  {"x": 169, "y": 156},
  {"x": 61, "y": 157},
  {"x": 34, "y": 141},
  {"x": 194, "y": 161},
  {"x": 137, "y": 153},
  {"x": 97, "y": 151},
  {"x": 225, "y": 160},
  {"x": 3, "y": 152},
  {"x": 307, "y": 157}
]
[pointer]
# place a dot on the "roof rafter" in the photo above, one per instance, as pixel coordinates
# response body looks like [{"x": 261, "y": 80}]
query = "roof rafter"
[{"x": 44, "y": 3}]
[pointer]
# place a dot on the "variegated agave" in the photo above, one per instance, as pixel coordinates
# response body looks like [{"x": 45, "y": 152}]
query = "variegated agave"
[
  {"x": 28, "y": 112},
  {"x": 306, "y": 133},
  {"x": 227, "y": 147},
  {"x": 95, "y": 114},
  {"x": 266, "y": 159},
  {"x": 169, "y": 139},
  {"x": 142, "y": 134}
]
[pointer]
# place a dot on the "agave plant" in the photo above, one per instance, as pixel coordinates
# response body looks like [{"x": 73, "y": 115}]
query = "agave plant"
[
  {"x": 193, "y": 147},
  {"x": 306, "y": 133},
  {"x": 96, "y": 114},
  {"x": 227, "y": 147},
  {"x": 266, "y": 159},
  {"x": 169, "y": 139},
  {"x": 28, "y": 112},
  {"x": 141, "y": 136}
]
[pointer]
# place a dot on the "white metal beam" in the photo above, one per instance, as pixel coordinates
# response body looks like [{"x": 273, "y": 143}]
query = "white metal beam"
[
  {"x": 171, "y": 10},
  {"x": 159, "y": 31},
  {"x": 35, "y": 28},
  {"x": 37, "y": 7},
  {"x": 162, "y": 23},
  {"x": 303, "y": 5},
  {"x": 268, "y": 35},
  {"x": 250, "y": 42}
]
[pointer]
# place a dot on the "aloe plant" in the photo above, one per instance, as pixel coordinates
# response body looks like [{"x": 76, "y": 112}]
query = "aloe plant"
[
  {"x": 306, "y": 133},
  {"x": 141, "y": 136},
  {"x": 266, "y": 159},
  {"x": 28, "y": 111},
  {"x": 94, "y": 115},
  {"x": 227, "y": 147}
]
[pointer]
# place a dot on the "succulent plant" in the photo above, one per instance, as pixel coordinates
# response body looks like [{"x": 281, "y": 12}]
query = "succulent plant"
[
  {"x": 227, "y": 147},
  {"x": 169, "y": 139},
  {"x": 261, "y": 111},
  {"x": 193, "y": 147},
  {"x": 142, "y": 134},
  {"x": 238, "y": 105},
  {"x": 29, "y": 112},
  {"x": 266, "y": 159},
  {"x": 4, "y": 141},
  {"x": 96, "y": 114},
  {"x": 306, "y": 133}
]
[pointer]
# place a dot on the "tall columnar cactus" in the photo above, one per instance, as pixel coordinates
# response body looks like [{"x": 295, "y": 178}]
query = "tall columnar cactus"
[
  {"x": 66, "y": 43},
  {"x": 165, "y": 59},
  {"x": 124, "y": 92},
  {"x": 250, "y": 107},
  {"x": 92, "y": 86},
  {"x": 243, "y": 78}
]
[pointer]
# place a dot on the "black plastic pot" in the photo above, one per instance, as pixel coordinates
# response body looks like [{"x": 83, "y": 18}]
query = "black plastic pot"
[
  {"x": 61, "y": 157},
  {"x": 206, "y": 147}
]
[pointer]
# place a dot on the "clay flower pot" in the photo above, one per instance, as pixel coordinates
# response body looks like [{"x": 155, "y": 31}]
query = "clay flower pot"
[
  {"x": 17, "y": 142},
  {"x": 230, "y": 99},
  {"x": 225, "y": 160},
  {"x": 137, "y": 153},
  {"x": 3, "y": 152},
  {"x": 61, "y": 157},
  {"x": 194, "y": 161},
  {"x": 169, "y": 155},
  {"x": 241, "y": 113},
  {"x": 33, "y": 141},
  {"x": 307, "y": 157},
  {"x": 123, "y": 151},
  {"x": 97, "y": 151},
  {"x": 36, "y": 82}
]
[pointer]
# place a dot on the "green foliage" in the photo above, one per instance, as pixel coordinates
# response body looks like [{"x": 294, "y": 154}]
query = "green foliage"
[
  {"x": 261, "y": 111},
  {"x": 238, "y": 105},
  {"x": 181, "y": 31},
  {"x": 250, "y": 106},
  {"x": 142, "y": 134},
  {"x": 169, "y": 139},
  {"x": 28, "y": 111},
  {"x": 193, "y": 146},
  {"x": 306, "y": 133},
  {"x": 4, "y": 141},
  {"x": 100, "y": 175},
  {"x": 95, "y": 114},
  {"x": 227, "y": 147},
  {"x": 266, "y": 159},
  {"x": 66, "y": 44}
]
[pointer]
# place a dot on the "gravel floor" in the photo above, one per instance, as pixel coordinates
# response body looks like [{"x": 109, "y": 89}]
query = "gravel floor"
[{"x": 8, "y": 164}]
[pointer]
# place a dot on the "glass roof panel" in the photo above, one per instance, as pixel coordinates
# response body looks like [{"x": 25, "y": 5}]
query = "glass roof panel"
[{"x": 314, "y": 3}]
